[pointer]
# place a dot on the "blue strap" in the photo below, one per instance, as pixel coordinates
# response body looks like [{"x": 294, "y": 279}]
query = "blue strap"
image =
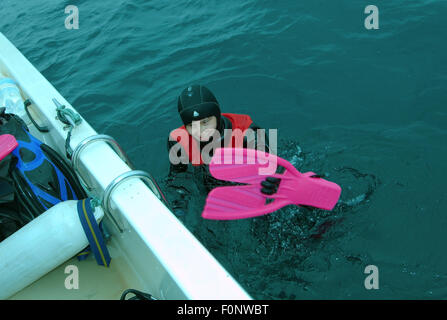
[
  {"x": 94, "y": 236},
  {"x": 83, "y": 254}
]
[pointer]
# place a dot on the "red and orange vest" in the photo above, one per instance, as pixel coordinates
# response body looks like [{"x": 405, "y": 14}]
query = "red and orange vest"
[{"x": 239, "y": 123}]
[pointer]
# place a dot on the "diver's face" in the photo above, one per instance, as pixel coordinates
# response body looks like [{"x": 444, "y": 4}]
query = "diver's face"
[{"x": 202, "y": 130}]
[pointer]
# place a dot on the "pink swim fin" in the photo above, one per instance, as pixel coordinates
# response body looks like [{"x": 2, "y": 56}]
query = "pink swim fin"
[
  {"x": 252, "y": 166},
  {"x": 7, "y": 144}
]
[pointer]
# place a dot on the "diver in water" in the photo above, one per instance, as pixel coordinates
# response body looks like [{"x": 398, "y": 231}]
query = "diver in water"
[{"x": 205, "y": 125}]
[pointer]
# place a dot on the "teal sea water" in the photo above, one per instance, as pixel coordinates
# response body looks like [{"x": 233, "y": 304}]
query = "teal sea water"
[{"x": 366, "y": 107}]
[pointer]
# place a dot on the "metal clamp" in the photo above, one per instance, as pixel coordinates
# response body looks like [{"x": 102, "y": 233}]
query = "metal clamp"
[
  {"x": 117, "y": 181},
  {"x": 66, "y": 115},
  {"x": 84, "y": 143}
]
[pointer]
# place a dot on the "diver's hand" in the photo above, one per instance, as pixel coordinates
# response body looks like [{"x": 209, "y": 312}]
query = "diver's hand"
[
  {"x": 178, "y": 197},
  {"x": 179, "y": 207},
  {"x": 270, "y": 185}
]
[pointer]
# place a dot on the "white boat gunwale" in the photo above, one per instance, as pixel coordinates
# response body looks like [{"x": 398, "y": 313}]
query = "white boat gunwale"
[{"x": 169, "y": 261}]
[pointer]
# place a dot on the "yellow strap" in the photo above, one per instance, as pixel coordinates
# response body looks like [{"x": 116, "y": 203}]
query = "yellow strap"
[{"x": 93, "y": 233}]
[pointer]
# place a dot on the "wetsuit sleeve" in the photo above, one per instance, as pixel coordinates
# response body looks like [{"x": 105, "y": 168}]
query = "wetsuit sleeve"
[
  {"x": 259, "y": 144},
  {"x": 175, "y": 168}
]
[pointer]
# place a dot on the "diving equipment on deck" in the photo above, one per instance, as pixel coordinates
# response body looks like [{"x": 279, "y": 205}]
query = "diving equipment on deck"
[{"x": 41, "y": 245}]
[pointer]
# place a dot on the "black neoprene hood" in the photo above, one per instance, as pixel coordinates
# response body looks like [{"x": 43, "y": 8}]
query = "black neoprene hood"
[{"x": 197, "y": 102}]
